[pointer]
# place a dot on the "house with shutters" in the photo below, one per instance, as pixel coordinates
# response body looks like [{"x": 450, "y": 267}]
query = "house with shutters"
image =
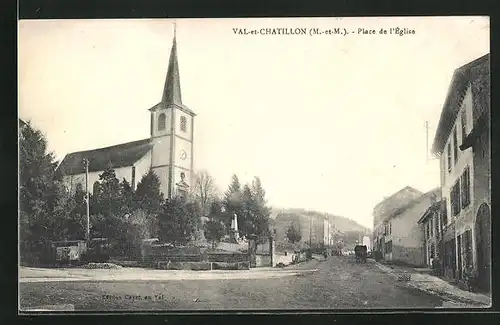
[
  {"x": 383, "y": 210},
  {"x": 168, "y": 151},
  {"x": 463, "y": 145},
  {"x": 433, "y": 222},
  {"x": 397, "y": 235}
]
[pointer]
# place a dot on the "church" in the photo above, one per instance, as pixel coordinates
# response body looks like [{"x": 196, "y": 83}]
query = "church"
[{"x": 168, "y": 151}]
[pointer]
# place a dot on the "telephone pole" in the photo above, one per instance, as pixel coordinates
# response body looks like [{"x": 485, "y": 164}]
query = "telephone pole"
[
  {"x": 310, "y": 231},
  {"x": 86, "y": 163}
]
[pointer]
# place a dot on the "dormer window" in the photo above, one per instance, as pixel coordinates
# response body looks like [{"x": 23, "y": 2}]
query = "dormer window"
[
  {"x": 183, "y": 123},
  {"x": 162, "y": 120}
]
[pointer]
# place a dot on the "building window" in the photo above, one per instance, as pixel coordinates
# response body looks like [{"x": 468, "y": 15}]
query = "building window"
[
  {"x": 455, "y": 146},
  {"x": 162, "y": 121},
  {"x": 464, "y": 125},
  {"x": 465, "y": 190},
  {"x": 455, "y": 199},
  {"x": 449, "y": 156},
  {"x": 183, "y": 123}
]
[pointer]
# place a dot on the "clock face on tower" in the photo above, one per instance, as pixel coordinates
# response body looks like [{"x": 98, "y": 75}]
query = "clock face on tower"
[{"x": 183, "y": 154}]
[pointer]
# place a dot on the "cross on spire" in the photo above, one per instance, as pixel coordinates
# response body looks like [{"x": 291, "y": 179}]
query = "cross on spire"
[{"x": 175, "y": 28}]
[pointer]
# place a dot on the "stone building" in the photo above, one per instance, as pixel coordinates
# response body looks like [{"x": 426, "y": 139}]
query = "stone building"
[
  {"x": 397, "y": 234},
  {"x": 386, "y": 207},
  {"x": 168, "y": 151},
  {"x": 316, "y": 230},
  {"x": 432, "y": 223},
  {"x": 463, "y": 144}
]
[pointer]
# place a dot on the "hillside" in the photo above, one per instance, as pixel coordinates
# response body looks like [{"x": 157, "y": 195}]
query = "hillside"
[
  {"x": 342, "y": 224},
  {"x": 346, "y": 232}
]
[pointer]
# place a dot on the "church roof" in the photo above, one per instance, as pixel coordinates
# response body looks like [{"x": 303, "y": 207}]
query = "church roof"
[{"x": 121, "y": 155}]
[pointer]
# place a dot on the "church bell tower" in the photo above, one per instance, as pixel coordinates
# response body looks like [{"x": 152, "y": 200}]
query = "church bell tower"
[{"x": 172, "y": 134}]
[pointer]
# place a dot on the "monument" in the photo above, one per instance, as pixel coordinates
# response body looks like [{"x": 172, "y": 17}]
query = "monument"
[{"x": 235, "y": 235}]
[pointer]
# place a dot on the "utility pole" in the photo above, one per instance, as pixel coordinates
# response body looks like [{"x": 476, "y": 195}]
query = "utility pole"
[
  {"x": 86, "y": 163},
  {"x": 329, "y": 230},
  {"x": 310, "y": 231}
]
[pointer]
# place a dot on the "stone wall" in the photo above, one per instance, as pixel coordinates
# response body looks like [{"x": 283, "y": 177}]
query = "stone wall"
[
  {"x": 227, "y": 257},
  {"x": 232, "y": 247}
]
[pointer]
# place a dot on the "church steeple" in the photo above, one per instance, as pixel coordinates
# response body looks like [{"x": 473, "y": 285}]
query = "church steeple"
[{"x": 172, "y": 89}]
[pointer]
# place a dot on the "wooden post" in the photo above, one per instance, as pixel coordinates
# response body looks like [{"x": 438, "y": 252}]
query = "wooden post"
[{"x": 272, "y": 251}]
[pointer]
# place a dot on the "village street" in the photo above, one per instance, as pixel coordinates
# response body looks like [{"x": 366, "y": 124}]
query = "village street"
[{"x": 336, "y": 283}]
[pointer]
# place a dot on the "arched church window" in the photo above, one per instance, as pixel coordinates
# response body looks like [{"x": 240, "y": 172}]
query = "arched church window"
[
  {"x": 161, "y": 121},
  {"x": 183, "y": 123}
]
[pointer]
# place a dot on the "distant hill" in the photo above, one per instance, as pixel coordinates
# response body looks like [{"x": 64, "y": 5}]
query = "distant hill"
[
  {"x": 342, "y": 224},
  {"x": 347, "y": 231}
]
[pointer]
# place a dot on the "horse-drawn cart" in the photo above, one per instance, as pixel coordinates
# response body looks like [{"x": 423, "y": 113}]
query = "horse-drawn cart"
[{"x": 361, "y": 252}]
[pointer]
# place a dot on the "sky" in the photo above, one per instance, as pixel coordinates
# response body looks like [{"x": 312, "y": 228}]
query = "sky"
[{"x": 331, "y": 123}]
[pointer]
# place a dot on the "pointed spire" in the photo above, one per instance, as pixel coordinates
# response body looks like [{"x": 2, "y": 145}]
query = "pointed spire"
[{"x": 172, "y": 89}]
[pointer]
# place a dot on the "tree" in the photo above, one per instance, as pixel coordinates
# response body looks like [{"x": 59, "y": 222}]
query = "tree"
[
  {"x": 110, "y": 196},
  {"x": 76, "y": 209},
  {"x": 293, "y": 234},
  {"x": 37, "y": 189},
  {"x": 258, "y": 192},
  {"x": 218, "y": 212},
  {"x": 214, "y": 231},
  {"x": 178, "y": 221},
  {"x": 127, "y": 195},
  {"x": 246, "y": 219},
  {"x": 205, "y": 191},
  {"x": 261, "y": 211},
  {"x": 43, "y": 201},
  {"x": 108, "y": 219},
  {"x": 148, "y": 196},
  {"x": 139, "y": 226}
]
